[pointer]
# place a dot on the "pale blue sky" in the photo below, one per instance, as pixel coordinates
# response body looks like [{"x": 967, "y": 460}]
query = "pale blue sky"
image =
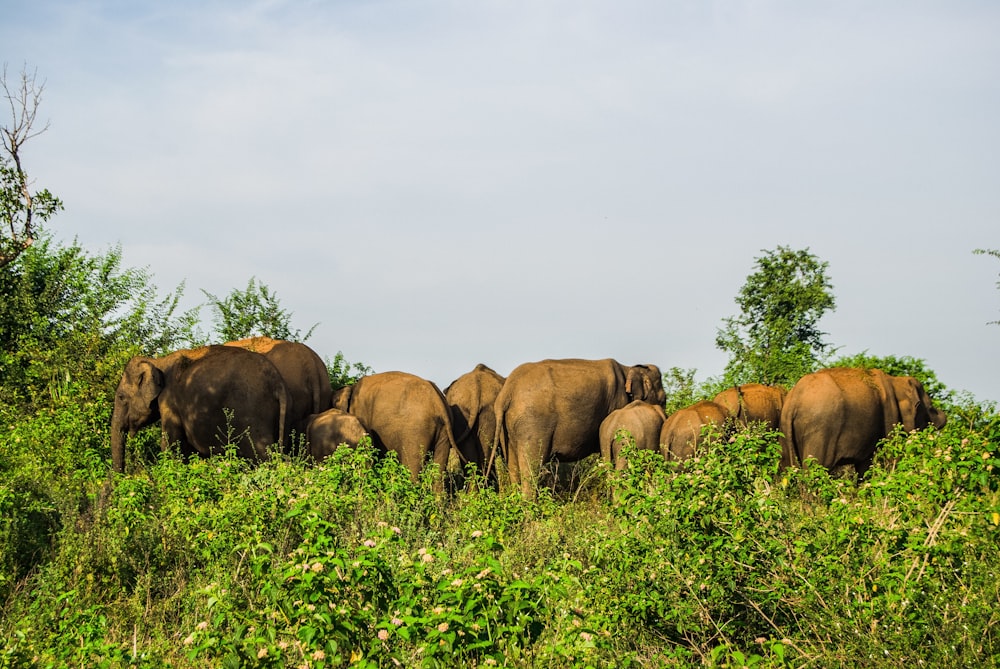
[{"x": 440, "y": 183}]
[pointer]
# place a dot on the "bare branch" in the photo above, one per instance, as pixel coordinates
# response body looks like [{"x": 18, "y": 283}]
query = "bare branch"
[{"x": 20, "y": 209}]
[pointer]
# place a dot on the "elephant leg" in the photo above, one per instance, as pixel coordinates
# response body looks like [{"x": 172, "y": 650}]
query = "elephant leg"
[
  {"x": 441, "y": 454},
  {"x": 512, "y": 461},
  {"x": 413, "y": 457},
  {"x": 172, "y": 434},
  {"x": 531, "y": 457}
]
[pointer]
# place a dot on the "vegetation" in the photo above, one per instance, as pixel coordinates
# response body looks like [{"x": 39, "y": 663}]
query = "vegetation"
[
  {"x": 253, "y": 312},
  {"x": 726, "y": 562},
  {"x": 776, "y": 339}
]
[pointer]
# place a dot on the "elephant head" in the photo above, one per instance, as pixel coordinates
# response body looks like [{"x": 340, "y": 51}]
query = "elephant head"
[
  {"x": 915, "y": 408},
  {"x": 136, "y": 404},
  {"x": 645, "y": 382}
]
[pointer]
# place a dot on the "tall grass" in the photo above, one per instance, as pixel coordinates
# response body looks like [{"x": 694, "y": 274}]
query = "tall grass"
[{"x": 725, "y": 561}]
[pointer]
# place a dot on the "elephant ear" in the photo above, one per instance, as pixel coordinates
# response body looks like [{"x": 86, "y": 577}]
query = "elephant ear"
[
  {"x": 913, "y": 412},
  {"x": 149, "y": 382},
  {"x": 342, "y": 398},
  {"x": 638, "y": 375}
]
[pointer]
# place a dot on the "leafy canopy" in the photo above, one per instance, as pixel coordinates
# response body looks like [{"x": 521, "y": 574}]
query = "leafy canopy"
[
  {"x": 776, "y": 337},
  {"x": 253, "y": 312}
]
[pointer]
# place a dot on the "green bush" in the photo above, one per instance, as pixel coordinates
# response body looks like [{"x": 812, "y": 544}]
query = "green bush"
[{"x": 720, "y": 561}]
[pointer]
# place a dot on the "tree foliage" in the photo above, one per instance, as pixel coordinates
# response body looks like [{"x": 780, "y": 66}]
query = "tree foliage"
[
  {"x": 683, "y": 389},
  {"x": 21, "y": 210},
  {"x": 255, "y": 311},
  {"x": 345, "y": 373},
  {"x": 776, "y": 337},
  {"x": 69, "y": 319}
]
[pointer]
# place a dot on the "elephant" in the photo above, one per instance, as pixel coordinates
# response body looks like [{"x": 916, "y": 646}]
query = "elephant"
[
  {"x": 404, "y": 413},
  {"x": 552, "y": 410},
  {"x": 326, "y": 431},
  {"x": 681, "y": 434},
  {"x": 753, "y": 402},
  {"x": 190, "y": 393},
  {"x": 837, "y": 416},
  {"x": 470, "y": 399},
  {"x": 305, "y": 376},
  {"x": 642, "y": 420}
]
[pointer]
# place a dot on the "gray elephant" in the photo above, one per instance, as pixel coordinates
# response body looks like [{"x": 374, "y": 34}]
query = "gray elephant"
[
  {"x": 405, "y": 414},
  {"x": 304, "y": 373},
  {"x": 470, "y": 399},
  {"x": 191, "y": 391},
  {"x": 753, "y": 402},
  {"x": 837, "y": 416},
  {"x": 682, "y": 430},
  {"x": 327, "y": 431},
  {"x": 552, "y": 410},
  {"x": 641, "y": 420}
]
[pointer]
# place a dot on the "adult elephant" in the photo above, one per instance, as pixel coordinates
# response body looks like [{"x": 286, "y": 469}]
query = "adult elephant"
[
  {"x": 682, "y": 430},
  {"x": 404, "y": 413},
  {"x": 327, "y": 431},
  {"x": 203, "y": 398},
  {"x": 552, "y": 410},
  {"x": 470, "y": 400},
  {"x": 641, "y": 420},
  {"x": 753, "y": 402},
  {"x": 304, "y": 373},
  {"x": 837, "y": 416}
]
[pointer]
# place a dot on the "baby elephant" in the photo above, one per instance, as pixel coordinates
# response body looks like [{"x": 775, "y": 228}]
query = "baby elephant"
[
  {"x": 326, "y": 431},
  {"x": 642, "y": 422}
]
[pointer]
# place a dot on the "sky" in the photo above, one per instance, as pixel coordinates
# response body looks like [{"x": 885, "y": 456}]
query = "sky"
[{"x": 439, "y": 183}]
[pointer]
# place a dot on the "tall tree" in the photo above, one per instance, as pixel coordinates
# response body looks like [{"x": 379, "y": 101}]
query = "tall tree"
[
  {"x": 776, "y": 337},
  {"x": 21, "y": 210}
]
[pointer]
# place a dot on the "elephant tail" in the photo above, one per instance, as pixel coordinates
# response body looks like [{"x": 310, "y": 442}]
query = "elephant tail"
[
  {"x": 790, "y": 455},
  {"x": 500, "y": 436},
  {"x": 281, "y": 394},
  {"x": 741, "y": 407}
]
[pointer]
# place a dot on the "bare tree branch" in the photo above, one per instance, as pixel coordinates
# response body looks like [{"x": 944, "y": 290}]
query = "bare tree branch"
[{"x": 20, "y": 209}]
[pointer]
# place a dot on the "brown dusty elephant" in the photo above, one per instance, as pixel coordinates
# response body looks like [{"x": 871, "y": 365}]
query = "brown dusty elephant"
[
  {"x": 837, "y": 416},
  {"x": 326, "y": 431},
  {"x": 682, "y": 430},
  {"x": 642, "y": 420},
  {"x": 753, "y": 402},
  {"x": 552, "y": 410},
  {"x": 404, "y": 413},
  {"x": 470, "y": 399},
  {"x": 190, "y": 393},
  {"x": 304, "y": 373}
]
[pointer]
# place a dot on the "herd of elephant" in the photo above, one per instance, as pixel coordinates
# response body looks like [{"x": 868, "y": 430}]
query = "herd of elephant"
[{"x": 259, "y": 392}]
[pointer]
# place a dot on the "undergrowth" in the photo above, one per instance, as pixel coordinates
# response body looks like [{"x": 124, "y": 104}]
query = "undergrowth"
[{"x": 723, "y": 561}]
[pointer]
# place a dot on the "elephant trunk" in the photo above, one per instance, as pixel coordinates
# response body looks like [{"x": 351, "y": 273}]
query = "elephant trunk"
[{"x": 118, "y": 438}]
